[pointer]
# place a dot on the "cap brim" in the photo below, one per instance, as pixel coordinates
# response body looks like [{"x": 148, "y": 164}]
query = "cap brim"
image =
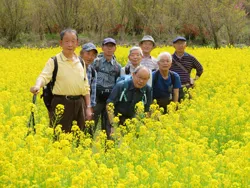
[
  {"x": 93, "y": 49},
  {"x": 108, "y": 42},
  {"x": 87, "y": 50},
  {"x": 179, "y": 40}
]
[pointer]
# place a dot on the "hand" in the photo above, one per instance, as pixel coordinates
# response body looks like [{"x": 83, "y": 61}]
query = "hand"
[
  {"x": 92, "y": 113},
  {"x": 35, "y": 89},
  {"x": 89, "y": 113},
  {"x": 191, "y": 81}
]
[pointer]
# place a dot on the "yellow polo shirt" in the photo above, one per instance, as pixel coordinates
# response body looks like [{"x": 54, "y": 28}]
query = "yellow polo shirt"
[{"x": 71, "y": 77}]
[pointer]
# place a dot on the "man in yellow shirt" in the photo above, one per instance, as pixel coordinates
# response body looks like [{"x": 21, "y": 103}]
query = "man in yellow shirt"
[{"x": 71, "y": 87}]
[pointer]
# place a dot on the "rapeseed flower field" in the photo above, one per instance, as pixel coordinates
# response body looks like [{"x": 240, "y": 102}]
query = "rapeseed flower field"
[{"x": 205, "y": 143}]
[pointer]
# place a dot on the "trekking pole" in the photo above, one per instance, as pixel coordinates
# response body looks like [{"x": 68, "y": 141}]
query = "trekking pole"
[{"x": 31, "y": 123}]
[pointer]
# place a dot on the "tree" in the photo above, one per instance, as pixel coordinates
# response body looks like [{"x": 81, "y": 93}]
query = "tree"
[
  {"x": 209, "y": 16},
  {"x": 235, "y": 19},
  {"x": 163, "y": 19},
  {"x": 101, "y": 16},
  {"x": 65, "y": 13},
  {"x": 13, "y": 15},
  {"x": 39, "y": 18}
]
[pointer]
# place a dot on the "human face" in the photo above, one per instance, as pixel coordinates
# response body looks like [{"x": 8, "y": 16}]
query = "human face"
[
  {"x": 88, "y": 56},
  {"x": 69, "y": 43},
  {"x": 180, "y": 46},
  {"x": 164, "y": 63},
  {"x": 135, "y": 57},
  {"x": 147, "y": 47},
  {"x": 140, "y": 78},
  {"x": 109, "y": 49}
]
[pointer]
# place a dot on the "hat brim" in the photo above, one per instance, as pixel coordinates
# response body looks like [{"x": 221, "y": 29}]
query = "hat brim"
[{"x": 147, "y": 40}]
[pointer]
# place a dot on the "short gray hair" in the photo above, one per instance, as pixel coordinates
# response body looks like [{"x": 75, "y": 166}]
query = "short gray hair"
[
  {"x": 68, "y": 30},
  {"x": 164, "y": 54},
  {"x": 135, "y": 48}
]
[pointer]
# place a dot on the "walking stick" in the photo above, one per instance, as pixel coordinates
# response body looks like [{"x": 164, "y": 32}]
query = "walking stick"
[{"x": 31, "y": 123}]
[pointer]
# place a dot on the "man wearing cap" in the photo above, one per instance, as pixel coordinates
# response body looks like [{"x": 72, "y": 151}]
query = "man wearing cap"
[
  {"x": 147, "y": 44},
  {"x": 88, "y": 54},
  {"x": 183, "y": 63},
  {"x": 108, "y": 70}
]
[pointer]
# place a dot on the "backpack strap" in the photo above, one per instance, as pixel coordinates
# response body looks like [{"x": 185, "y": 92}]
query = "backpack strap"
[
  {"x": 81, "y": 62},
  {"x": 116, "y": 68},
  {"x": 172, "y": 77},
  {"x": 127, "y": 69},
  {"x": 156, "y": 77},
  {"x": 92, "y": 72},
  {"x": 144, "y": 97},
  {"x": 97, "y": 65},
  {"x": 123, "y": 94},
  {"x": 171, "y": 88},
  {"x": 53, "y": 80}
]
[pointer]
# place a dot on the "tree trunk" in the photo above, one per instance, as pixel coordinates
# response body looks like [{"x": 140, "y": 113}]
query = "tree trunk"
[
  {"x": 216, "y": 43},
  {"x": 230, "y": 37}
]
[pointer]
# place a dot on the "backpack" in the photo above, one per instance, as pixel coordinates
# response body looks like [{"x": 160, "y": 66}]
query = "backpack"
[
  {"x": 127, "y": 69},
  {"x": 125, "y": 79},
  {"x": 170, "y": 88},
  {"x": 102, "y": 93},
  {"x": 97, "y": 66},
  {"x": 47, "y": 89}
]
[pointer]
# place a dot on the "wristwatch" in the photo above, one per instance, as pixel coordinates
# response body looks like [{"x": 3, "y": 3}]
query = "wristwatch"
[{"x": 89, "y": 106}]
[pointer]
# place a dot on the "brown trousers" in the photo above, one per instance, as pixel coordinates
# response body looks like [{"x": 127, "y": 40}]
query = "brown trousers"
[{"x": 74, "y": 110}]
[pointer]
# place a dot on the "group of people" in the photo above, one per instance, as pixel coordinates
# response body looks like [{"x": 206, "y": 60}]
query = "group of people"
[{"x": 87, "y": 83}]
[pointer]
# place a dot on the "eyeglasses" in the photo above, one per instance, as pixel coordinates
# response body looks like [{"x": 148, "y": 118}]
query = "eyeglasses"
[{"x": 142, "y": 78}]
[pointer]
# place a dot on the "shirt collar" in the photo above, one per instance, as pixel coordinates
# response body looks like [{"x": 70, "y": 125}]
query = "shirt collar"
[
  {"x": 112, "y": 61},
  {"x": 76, "y": 59},
  {"x": 148, "y": 57},
  {"x": 185, "y": 54},
  {"x": 132, "y": 67}
]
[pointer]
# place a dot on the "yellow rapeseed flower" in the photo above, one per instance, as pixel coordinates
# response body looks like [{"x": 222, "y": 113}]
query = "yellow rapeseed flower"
[{"x": 203, "y": 142}]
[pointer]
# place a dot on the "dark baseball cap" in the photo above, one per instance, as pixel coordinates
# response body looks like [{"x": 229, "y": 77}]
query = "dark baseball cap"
[
  {"x": 179, "y": 38},
  {"x": 109, "y": 40},
  {"x": 89, "y": 46}
]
